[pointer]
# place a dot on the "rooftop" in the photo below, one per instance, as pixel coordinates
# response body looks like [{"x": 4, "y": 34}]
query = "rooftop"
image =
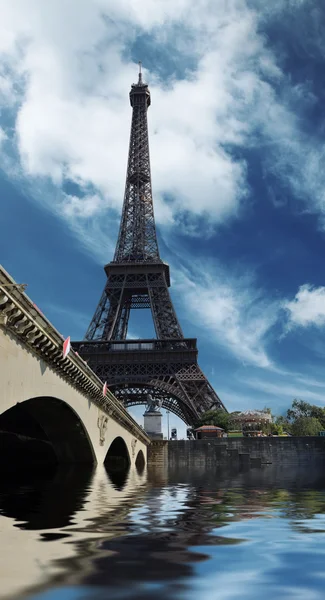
[{"x": 209, "y": 427}]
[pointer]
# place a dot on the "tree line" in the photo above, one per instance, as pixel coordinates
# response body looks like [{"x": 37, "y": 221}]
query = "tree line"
[{"x": 300, "y": 419}]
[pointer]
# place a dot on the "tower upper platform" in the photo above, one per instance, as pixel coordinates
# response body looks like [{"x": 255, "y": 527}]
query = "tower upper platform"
[{"x": 139, "y": 91}]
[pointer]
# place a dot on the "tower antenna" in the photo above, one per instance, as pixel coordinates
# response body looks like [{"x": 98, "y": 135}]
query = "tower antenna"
[{"x": 140, "y": 72}]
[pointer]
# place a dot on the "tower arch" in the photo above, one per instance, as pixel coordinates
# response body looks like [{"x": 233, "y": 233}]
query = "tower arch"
[{"x": 170, "y": 396}]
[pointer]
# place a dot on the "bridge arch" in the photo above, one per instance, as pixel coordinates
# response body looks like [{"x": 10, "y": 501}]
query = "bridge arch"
[
  {"x": 117, "y": 456},
  {"x": 49, "y": 424},
  {"x": 117, "y": 463},
  {"x": 140, "y": 461}
]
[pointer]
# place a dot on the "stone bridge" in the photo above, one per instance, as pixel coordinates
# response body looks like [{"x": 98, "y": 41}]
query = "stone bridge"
[{"x": 53, "y": 408}]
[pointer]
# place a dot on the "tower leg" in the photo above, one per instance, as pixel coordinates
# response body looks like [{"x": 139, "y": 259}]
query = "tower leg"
[{"x": 163, "y": 313}]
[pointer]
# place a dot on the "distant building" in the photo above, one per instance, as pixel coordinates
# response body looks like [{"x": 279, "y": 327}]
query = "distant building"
[
  {"x": 208, "y": 431},
  {"x": 251, "y": 420}
]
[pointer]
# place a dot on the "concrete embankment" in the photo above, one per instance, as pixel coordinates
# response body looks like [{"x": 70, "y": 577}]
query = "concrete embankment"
[{"x": 250, "y": 452}]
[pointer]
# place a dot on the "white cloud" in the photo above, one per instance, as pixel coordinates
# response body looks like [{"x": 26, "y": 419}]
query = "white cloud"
[
  {"x": 231, "y": 313},
  {"x": 67, "y": 65},
  {"x": 3, "y": 136},
  {"x": 7, "y": 94},
  {"x": 308, "y": 307},
  {"x": 84, "y": 207}
]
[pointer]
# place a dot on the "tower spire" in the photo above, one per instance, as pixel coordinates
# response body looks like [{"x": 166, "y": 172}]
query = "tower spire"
[
  {"x": 140, "y": 73},
  {"x": 137, "y": 240}
]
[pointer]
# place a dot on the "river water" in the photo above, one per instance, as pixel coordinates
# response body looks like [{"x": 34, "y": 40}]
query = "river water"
[{"x": 77, "y": 534}]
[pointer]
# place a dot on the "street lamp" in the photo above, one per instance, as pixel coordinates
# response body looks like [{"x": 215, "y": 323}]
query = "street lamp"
[{"x": 167, "y": 411}]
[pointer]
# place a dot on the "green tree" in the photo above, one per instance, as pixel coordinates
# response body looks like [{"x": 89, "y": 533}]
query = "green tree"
[
  {"x": 233, "y": 424},
  {"x": 266, "y": 427},
  {"x": 282, "y": 424},
  {"x": 215, "y": 417},
  {"x": 277, "y": 429},
  {"x": 300, "y": 408},
  {"x": 318, "y": 413},
  {"x": 306, "y": 426}
]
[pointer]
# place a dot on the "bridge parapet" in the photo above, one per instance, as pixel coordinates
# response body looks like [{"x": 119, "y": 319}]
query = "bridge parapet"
[{"x": 21, "y": 316}]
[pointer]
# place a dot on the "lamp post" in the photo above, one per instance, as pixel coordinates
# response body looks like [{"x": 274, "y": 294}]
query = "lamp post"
[{"x": 167, "y": 411}]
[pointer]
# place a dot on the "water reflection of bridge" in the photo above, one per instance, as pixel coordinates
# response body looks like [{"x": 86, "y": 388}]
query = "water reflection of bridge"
[
  {"x": 73, "y": 509},
  {"x": 146, "y": 529}
]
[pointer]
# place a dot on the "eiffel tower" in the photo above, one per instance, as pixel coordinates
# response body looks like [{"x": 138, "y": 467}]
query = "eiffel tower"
[{"x": 137, "y": 278}]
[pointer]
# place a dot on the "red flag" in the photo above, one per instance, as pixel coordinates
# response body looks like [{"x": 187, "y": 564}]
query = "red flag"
[
  {"x": 38, "y": 309},
  {"x": 66, "y": 347},
  {"x": 104, "y": 389}
]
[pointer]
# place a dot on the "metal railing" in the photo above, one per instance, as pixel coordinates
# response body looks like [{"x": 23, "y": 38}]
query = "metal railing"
[{"x": 169, "y": 345}]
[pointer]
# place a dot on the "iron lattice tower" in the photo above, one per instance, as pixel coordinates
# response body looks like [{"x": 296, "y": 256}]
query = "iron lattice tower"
[{"x": 137, "y": 278}]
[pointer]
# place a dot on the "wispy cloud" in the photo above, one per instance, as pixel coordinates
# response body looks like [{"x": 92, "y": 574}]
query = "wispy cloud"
[
  {"x": 231, "y": 311},
  {"x": 309, "y": 381},
  {"x": 283, "y": 390}
]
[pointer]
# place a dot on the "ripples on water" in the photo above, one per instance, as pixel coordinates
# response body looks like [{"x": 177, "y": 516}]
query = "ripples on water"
[{"x": 75, "y": 534}]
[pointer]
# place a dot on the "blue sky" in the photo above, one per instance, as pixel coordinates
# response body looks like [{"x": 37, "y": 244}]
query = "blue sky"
[{"x": 237, "y": 153}]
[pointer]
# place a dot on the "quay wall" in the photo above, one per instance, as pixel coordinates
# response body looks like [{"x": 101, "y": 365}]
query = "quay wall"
[
  {"x": 158, "y": 453},
  {"x": 250, "y": 452}
]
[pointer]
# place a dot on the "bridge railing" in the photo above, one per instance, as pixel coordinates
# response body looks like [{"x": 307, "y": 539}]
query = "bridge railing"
[{"x": 24, "y": 319}]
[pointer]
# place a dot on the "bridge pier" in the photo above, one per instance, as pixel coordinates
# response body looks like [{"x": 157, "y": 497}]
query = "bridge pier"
[{"x": 158, "y": 453}]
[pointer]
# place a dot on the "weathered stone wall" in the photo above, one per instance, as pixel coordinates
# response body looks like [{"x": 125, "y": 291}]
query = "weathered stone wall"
[
  {"x": 280, "y": 451},
  {"x": 158, "y": 453}
]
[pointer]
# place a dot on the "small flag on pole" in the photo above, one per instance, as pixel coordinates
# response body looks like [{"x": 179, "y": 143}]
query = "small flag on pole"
[
  {"x": 66, "y": 347},
  {"x": 38, "y": 309},
  {"x": 104, "y": 389}
]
